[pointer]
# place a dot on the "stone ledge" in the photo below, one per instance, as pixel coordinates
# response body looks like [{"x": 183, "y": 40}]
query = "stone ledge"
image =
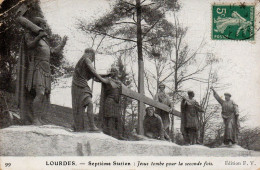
[{"x": 51, "y": 140}]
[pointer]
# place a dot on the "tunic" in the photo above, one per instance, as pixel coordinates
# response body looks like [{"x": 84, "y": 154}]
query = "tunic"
[
  {"x": 112, "y": 106},
  {"x": 111, "y": 120},
  {"x": 82, "y": 74},
  {"x": 80, "y": 91},
  {"x": 190, "y": 114},
  {"x": 39, "y": 74},
  {"x": 33, "y": 73}
]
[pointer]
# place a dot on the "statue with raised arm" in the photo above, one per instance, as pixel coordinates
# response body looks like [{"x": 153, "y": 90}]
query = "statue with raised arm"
[
  {"x": 230, "y": 117},
  {"x": 162, "y": 97},
  {"x": 81, "y": 92},
  {"x": 190, "y": 119},
  {"x": 33, "y": 86}
]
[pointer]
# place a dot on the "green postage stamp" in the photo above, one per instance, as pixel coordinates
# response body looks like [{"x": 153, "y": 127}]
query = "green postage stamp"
[{"x": 233, "y": 22}]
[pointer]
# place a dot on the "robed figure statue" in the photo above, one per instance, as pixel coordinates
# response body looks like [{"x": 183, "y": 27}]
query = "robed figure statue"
[{"x": 230, "y": 117}]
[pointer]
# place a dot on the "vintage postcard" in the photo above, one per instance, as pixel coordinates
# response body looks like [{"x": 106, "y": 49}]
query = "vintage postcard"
[{"x": 129, "y": 84}]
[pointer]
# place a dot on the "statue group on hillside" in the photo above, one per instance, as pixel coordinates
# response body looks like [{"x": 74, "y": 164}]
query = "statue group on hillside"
[{"x": 33, "y": 91}]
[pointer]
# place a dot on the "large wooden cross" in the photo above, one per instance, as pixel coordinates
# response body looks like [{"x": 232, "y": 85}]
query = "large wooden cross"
[{"x": 142, "y": 98}]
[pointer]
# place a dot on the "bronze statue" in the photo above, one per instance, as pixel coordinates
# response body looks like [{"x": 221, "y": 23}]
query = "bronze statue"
[
  {"x": 230, "y": 117},
  {"x": 190, "y": 119},
  {"x": 81, "y": 92},
  {"x": 111, "y": 116},
  {"x": 162, "y": 97},
  {"x": 153, "y": 126},
  {"x": 33, "y": 86}
]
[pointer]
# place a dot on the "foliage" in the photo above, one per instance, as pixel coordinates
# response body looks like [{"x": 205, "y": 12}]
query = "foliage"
[
  {"x": 123, "y": 74},
  {"x": 249, "y": 138},
  {"x": 120, "y": 25}
]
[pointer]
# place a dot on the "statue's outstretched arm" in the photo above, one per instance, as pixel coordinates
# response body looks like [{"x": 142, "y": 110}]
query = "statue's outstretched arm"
[{"x": 217, "y": 96}]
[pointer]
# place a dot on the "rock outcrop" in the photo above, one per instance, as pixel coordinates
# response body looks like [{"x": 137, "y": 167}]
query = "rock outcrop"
[{"x": 57, "y": 141}]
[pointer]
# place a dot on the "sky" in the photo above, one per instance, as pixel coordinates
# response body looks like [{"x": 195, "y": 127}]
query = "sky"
[{"x": 240, "y": 59}]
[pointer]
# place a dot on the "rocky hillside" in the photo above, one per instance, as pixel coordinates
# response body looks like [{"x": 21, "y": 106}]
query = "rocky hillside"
[{"x": 52, "y": 140}]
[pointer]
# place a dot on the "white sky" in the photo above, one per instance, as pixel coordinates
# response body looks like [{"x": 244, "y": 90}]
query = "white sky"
[{"x": 241, "y": 60}]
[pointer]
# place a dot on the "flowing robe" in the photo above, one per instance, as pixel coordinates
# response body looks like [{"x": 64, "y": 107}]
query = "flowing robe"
[
  {"x": 81, "y": 92},
  {"x": 190, "y": 114},
  {"x": 110, "y": 110},
  {"x": 230, "y": 117},
  {"x": 190, "y": 118}
]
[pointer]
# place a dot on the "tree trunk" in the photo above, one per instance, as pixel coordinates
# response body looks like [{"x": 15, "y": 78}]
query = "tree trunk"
[
  {"x": 175, "y": 91},
  {"x": 141, "y": 105},
  {"x": 202, "y": 133},
  {"x": 124, "y": 113},
  {"x": 133, "y": 115}
]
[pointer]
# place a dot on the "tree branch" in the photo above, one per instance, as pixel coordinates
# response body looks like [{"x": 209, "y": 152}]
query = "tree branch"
[
  {"x": 128, "y": 3},
  {"x": 163, "y": 36},
  {"x": 111, "y": 36},
  {"x": 117, "y": 23},
  {"x": 195, "y": 72},
  {"x": 148, "y": 83}
]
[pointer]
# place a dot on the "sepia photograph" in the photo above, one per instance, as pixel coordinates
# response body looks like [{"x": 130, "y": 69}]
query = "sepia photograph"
[{"x": 129, "y": 84}]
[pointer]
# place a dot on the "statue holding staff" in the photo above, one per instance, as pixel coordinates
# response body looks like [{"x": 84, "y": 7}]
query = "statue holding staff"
[{"x": 230, "y": 117}]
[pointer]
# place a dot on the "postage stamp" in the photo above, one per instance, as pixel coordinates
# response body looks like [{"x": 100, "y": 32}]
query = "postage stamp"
[{"x": 233, "y": 22}]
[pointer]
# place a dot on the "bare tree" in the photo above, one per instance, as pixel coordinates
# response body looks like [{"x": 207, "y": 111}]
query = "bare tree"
[
  {"x": 210, "y": 108},
  {"x": 162, "y": 67},
  {"x": 185, "y": 64}
]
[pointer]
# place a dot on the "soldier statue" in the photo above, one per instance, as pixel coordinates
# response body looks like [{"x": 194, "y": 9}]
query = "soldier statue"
[{"x": 33, "y": 86}]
